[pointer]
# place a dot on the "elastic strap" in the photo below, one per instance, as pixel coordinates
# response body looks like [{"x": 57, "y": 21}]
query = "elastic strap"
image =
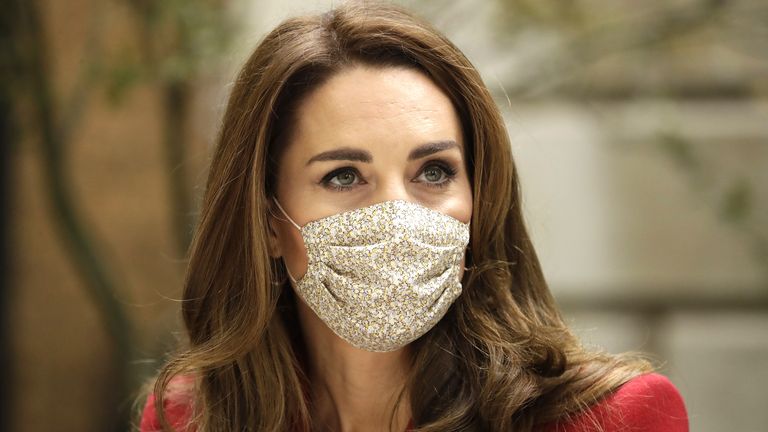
[{"x": 286, "y": 215}]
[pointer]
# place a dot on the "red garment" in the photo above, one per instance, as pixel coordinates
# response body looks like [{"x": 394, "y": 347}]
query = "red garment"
[{"x": 647, "y": 403}]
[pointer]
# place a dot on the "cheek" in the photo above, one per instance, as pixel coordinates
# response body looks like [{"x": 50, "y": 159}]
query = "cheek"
[
  {"x": 461, "y": 203},
  {"x": 466, "y": 213},
  {"x": 293, "y": 250}
]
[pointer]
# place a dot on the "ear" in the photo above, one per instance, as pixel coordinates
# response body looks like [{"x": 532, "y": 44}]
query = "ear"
[{"x": 275, "y": 251}]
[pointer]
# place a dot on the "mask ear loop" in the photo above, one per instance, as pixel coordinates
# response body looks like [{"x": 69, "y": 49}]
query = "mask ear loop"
[
  {"x": 297, "y": 227},
  {"x": 286, "y": 214}
]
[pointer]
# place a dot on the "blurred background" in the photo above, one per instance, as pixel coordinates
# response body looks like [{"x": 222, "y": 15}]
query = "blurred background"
[{"x": 640, "y": 130}]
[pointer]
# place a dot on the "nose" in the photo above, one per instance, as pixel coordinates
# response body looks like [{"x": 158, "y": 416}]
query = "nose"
[{"x": 391, "y": 187}]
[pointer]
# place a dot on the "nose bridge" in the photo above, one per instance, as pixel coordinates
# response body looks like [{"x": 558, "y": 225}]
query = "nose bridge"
[{"x": 392, "y": 185}]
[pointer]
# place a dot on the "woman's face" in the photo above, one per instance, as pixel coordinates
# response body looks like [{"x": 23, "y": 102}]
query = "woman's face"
[{"x": 365, "y": 136}]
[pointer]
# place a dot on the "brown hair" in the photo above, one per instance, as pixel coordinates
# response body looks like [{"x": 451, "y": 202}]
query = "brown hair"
[{"x": 501, "y": 358}]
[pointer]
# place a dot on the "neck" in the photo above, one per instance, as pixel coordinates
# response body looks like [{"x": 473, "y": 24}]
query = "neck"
[{"x": 353, "y": 389}]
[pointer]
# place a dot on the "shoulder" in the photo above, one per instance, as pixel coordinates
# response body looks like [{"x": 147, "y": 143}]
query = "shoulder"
[
  {"x": 177, "y": 408},
  {"x": 646, "y": 403}
]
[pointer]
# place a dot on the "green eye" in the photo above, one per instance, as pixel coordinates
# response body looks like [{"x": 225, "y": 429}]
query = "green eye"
[
  {"x": 433, "y": 173},
  {"x": 437, "y": 174},
  {"x": 341, "y": 179},
  {"x": 345, "y": 178}
]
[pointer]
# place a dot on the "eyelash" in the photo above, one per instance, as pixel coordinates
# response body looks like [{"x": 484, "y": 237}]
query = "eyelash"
[{"x": 450, "y": 174}]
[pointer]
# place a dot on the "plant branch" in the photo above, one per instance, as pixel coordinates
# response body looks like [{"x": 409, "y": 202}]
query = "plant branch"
[{"x": 100, "y": 286}]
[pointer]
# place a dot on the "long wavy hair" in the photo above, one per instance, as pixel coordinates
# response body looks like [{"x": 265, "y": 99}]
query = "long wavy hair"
[{"x": 501, "y": 359}]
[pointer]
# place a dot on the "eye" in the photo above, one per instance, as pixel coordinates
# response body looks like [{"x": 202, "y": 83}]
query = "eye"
[
  {"x": 437, "y": 174},
  {"x": 434, "y": 173},
  {"x": 340, "y": 179}
]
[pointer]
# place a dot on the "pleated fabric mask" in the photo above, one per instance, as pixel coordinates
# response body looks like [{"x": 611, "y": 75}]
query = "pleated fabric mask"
[{"x": 383, "y": 275}]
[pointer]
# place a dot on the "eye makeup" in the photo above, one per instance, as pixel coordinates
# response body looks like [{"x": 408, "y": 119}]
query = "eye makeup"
[{"x": 446, "y": 168}]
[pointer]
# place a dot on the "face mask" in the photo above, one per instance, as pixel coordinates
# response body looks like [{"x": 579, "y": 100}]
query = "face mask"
[{"x": 381, "y": 276}]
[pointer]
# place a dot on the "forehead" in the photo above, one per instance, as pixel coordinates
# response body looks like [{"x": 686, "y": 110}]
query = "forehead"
[{"x": 385, "y": 109}]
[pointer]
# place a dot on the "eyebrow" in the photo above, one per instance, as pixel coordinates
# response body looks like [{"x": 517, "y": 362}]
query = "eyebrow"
[{"x": 359, "y": 155}]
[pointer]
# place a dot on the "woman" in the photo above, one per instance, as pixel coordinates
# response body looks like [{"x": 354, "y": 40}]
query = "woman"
[{"x": 361, "y": 261}]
